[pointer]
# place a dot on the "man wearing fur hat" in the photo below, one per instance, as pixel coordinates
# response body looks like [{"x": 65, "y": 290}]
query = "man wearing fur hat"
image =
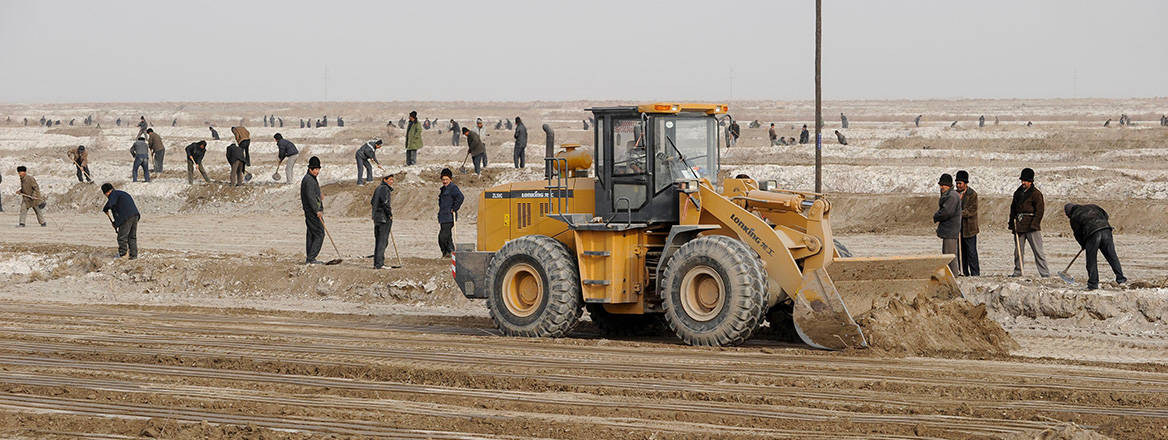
[
  {"x": 313, "y": 204},
  {"x": 969, "y": 230},
  {"x": 948, "y": 219},
  {"x": 1026, "y": 212}
]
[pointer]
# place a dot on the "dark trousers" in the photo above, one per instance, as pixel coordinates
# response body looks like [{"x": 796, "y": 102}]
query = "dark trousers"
[
  {"x": 1101, "y": 241},
  {"x": 237, "y": 173},
  {"x": 446, "y": 238},
  {"x": 83, "y": 173},
  {"x": 314, "y": 238},
  {"x": 411, "y": 157},
  {"x": 520, "y": 156},
  {"x": 244, "y": 144},
  {"x": 969, "y": 264},
  {"x": 380, "y": 240},
  {"x": 158, "y": 155},
  {"x": 363, "y": 164},
  {"x": 480, "y": 162},
  {"x": 128, "y": 237},
  {"x": 140, "y": 160}
]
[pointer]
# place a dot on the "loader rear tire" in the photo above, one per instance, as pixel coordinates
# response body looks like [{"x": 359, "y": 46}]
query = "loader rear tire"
[
  {"x": 615, "y": 325},
  {"x": 535, "y": 288},
  {"x": 715, "y": 292}
]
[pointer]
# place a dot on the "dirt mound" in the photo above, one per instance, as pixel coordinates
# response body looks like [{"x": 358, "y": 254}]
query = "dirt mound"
[
  {"x": 1012, "y": 303},
  {"x": 925, "y": 326},
  {"x": 1066, "y": 432}
]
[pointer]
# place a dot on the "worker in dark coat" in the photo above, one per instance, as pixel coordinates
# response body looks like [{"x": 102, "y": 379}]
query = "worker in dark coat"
[
  {"x": 235, "y": 160},
  {"x": 804, "y": 136},
  {"x": 382, "y": 219},
  {"x": 214, "y": 134},
  {"x": 367, "y": 152},
  {"x": 475, "y": 149},
  {"x": 969, "y": 225},
  {"x": 948, "y": 219},
  {"x": 843, "y": 121},
  {"x": 840, "y": 137},
  {"x": 917, "y": 120},
  {"x": 125, "y": 217},
  {"x": 520, "y": 154},
  {"x": 195, "y": 152},
  {"x": 1026, "y": 211},
  {"x": 455, "y": 132},
  {"x": 313, "y": 204},
  {"x": 449, "y": 201},
  {"x": 1093, "y": 232}
]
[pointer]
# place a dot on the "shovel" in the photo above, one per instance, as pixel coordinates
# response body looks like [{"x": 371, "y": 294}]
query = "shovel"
[
  {"x": 1064, "y": 275},
  {"x": 337, "y": 260},
  {"x": 462, "y": 169},
  {"x": 399, "y": 260},
  {"x": 82, "y": 170},
  {"x": 276, "y": 175}
]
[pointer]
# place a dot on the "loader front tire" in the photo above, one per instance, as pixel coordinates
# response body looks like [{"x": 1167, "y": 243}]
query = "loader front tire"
[
  {"x": 715, "y": 292},
  {"x": 535, "y": 288}
]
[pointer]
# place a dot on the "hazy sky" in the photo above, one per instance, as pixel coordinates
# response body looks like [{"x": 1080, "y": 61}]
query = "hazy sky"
[{"x": 71, "y": 51}]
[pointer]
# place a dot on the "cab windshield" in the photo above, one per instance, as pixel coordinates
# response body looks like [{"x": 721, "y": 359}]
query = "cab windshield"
[{"x": 685, "y": 148}]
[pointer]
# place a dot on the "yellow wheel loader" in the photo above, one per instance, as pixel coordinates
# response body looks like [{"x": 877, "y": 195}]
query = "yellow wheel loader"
[{"x": 640, "y": 234}]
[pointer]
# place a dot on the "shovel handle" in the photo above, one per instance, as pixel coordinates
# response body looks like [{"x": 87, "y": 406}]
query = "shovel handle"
[
  {"x": 330, "y": 237},
  {"x": 1073, "y": 259}
]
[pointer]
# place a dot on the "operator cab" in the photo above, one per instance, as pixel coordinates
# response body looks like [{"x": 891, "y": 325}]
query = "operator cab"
[{"x": 641, "y": 151}]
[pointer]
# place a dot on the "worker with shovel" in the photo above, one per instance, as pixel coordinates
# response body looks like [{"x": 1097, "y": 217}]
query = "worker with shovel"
[
  {"x": 1026, "y": 210},
  {"x": 969, "y": 230},
  {"x": 30, "y": 195},
  {"x": 195, "y": 152},
  {"x": 1093, "y": 232},
  {"x": 80, "y": 159},
  {"x": 382, "y": 221},
  {"x": 476, "y": 150},
  {"x": 288, "y": 154},
  {"x": 364, "y": 154},
  {"x": 125, "y": 219},
  {"x": 311, "y": 201}
]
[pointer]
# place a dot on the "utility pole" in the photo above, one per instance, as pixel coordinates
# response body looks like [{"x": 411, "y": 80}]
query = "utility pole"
[{"x": 818, "y": 97}]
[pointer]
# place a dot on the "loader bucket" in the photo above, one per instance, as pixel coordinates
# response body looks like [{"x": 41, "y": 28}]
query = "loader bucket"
[
  {"x": 862, "y": 280},
  {"x": 821, "y": 317}
]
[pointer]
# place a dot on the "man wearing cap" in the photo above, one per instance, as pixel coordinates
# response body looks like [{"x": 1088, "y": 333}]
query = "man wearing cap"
[
  {"x": 126, "y": 216},
  {"x": 364, "y": 154},
  {"x": 80, "y": 158},
  {"x": 382, "y": 219},
  {"x": 449, "y": 201},
  {"x": 480, "y": 129},
  {"x": 286, "y": 153},
  {"x": 969, "y": 230},
  {"x": 948, "y": 219},
  {"x": 476, "y": 149},
  {"x": 1093, "y": 232},
  {"x": 195, "y": 152},
  {"x": 30, "y": 196},
  {"x": 141, "y": 154},
  {"x": 413, "y": 139},
  {"x": 313, "y": 204},
  {"x": 1026, "y": 211}
]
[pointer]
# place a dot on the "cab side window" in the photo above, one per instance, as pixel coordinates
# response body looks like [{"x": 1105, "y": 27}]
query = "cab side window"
[{"x": 628, "y": 147}]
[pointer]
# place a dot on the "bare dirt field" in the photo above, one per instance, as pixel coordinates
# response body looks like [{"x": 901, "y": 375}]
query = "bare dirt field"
[{"x": 219, "y": 331}]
